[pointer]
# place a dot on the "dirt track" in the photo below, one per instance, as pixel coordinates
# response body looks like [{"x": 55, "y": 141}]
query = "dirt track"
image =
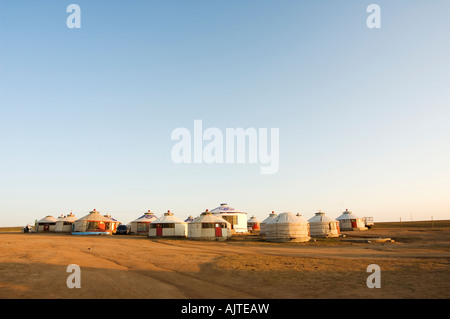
[{"x": 415, "y": 266}]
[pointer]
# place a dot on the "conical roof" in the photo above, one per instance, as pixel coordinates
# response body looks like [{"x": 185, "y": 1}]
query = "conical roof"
[
  {"x": 148, "y": 217},
  {"x": 224, "y": 208},
  {"x": 189, "y": 219},
  {"x": 321, "y": 217},
  {"x": 288, "y": 217},
  {"x": 69, "y": 218},
  {"x": 347, "y": 215},
  {"x": 208, "y": 217},
  {"x": 110, "y": 218},
  {"x": 47, "y": 219},
  {"x": 168, "y": 218},
  {"x": 94, "y": 216},
  {"x": 253, "y": 219},
  {"x": 271, "y": 216}
]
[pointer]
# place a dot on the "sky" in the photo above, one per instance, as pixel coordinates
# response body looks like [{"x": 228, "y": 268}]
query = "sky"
[{"x": 86, "y": 114}]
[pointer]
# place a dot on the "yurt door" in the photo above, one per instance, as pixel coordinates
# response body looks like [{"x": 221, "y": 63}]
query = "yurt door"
[
  {"x": 158, "y": 231},
  {"x": 218, "y": 230},
  {"x": 46, "y": 227},
  {"x": 353, "y": 223}
]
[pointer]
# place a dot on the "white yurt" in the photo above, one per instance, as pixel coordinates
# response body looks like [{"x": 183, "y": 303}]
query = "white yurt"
[
  {"x": 46, "y": 224},
  {"x": 320, "y": 225},
  {"x": 253, "y": 224},
  {"x": 141, "y": 225},
  {"x": 168, "y": 226},
  {"x": 262, "y": 225},
  {"x": 286, "y": 227},
  {"x": 237, "y": 219},
  {"x": 93, "y": 222},
  {"x": 65, "y": 224},
  {"x": 209, "y": 227},
  {"x": 349, "y": 221}
]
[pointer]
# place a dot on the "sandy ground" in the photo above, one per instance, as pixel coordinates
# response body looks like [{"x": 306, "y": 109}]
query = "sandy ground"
[{"x": 416, "y": 265}]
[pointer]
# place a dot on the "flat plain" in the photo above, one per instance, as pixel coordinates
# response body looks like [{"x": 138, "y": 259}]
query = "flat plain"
[{"x": 415, "y": 265}]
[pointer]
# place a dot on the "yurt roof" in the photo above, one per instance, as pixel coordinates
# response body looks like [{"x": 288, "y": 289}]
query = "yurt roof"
[
  {"x": 189, "y": 219},
  {"x": 148, "y": 217},
  {"x": 224, "y": 208},
  {"x": 94, "y": 216},
  {"x": 69, "y": 218},
  {"x": 48, "y": 219},
  {"x": 321, "y": 217},
  {"x": 110, "y": 218},
  {"x": 288, "y": 217},
  {"x": 208, "y": 217},
  {"x": 253, "y": 219},
  {"x": 347, "y": 215},
  {"x": 168, "y": 218},
  {"x": 272, "y": 215}
]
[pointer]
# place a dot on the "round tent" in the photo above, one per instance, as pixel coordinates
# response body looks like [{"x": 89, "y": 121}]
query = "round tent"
[
  {"x": 141, "y": 225},
  {"x": 46, "y": 224},
  {"x": 323, "y": 226},
  {"x": 209, "y": 227},
  {"x": 262, "y": 225},
  {"x": 253, "y": 224},
  {"x": 349, "y": 221},
  {"x": 168, "y": 226},
  {"x": 237, "y": 219},
  {"x": 64, "y": 225},
  {"x": 112, "y": 223},
  {"x": 286, "y": 227},
  {"x": 93, "y": 222}
]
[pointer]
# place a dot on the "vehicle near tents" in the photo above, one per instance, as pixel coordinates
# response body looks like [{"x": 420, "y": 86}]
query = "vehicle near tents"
[{"x": 368, "y": 221}]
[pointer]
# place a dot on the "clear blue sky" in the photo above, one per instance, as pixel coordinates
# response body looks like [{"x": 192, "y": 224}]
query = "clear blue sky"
[{"x": 86, "y": 114}]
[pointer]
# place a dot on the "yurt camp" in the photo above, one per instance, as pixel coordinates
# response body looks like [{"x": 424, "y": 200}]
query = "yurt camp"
[
  {"x": 253, "y": 224},
  {"x": 141, "y": 225},
  {"x": 237, "y": 219},
  {"x": 93, "y": 223},
  {"x": 65, "y": 224},
  {"x": 320, "y": 225},
  {"x": 168, "y": 226},
  {"x": 209, "y": 227},
  {"x": 262, "y": 225},
  {"x": 287, "y": 227},
  {"x": 46, "y": 224},
  {"x": 349, "y": 221}
]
